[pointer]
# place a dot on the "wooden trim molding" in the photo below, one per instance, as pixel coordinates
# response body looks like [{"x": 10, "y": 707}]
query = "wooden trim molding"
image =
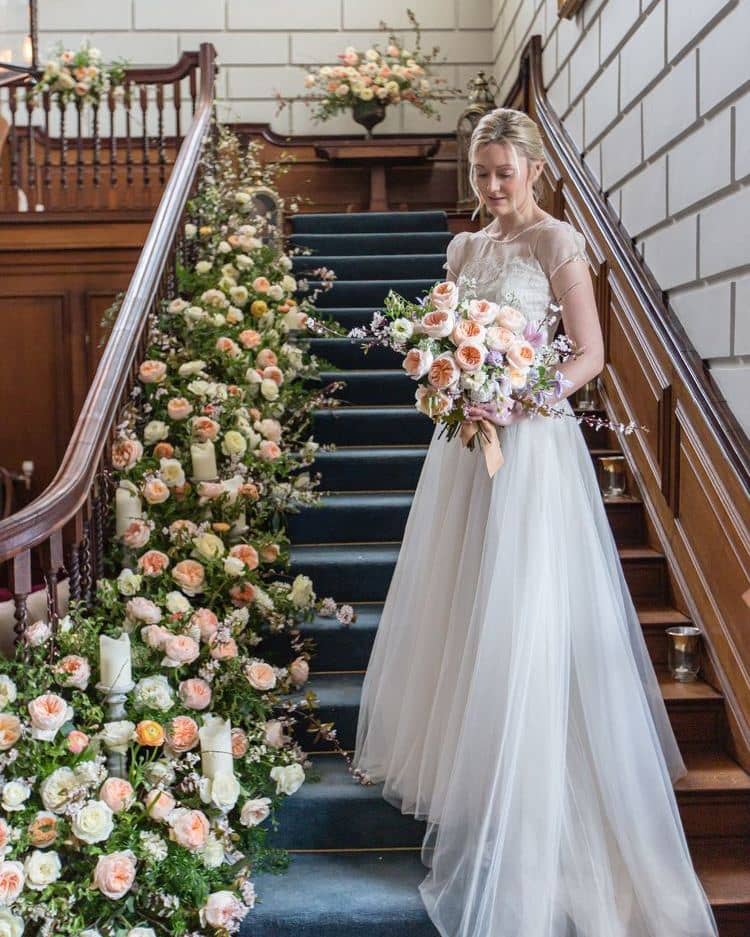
[{"x": 693, "y": 466}]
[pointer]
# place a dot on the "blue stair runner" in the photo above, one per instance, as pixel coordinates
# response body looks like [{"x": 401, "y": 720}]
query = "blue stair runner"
[{"x": 355, "y": 865}]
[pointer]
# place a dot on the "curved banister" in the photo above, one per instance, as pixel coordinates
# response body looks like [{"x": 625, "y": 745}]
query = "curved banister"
[{"x": 72, "y": 484}]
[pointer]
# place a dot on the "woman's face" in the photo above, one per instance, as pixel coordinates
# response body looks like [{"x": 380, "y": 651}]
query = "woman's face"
[{"x": 504, "y": 178}]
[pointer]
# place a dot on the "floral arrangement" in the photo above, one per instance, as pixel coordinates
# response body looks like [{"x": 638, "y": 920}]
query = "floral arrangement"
[
  {"x": 476, "y": 362},
  {"x": 375, "y": 76},
  {"x": 145, "y": 741},
  {"x": 80, "y": 76}
]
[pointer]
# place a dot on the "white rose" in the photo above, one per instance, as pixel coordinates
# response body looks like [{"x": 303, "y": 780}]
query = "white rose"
[
  {"x": 128, "y": 582},
  {"x": 190, "y": 230},
  {"x": 154, "y": 431},
  {"x": 203, "y": 266},
  {"x": 8, "y": 691},
  {"x": 212, "y": 853},
  {"x": 243, "y": 261},
  {"x": 42, "y": 869},
  {"x": 222, "y": 791},
  {"x": 234, "y": 443},
  {"x": 200, "y": 388},
  {"x": 402, "y": 329},
  {"x": 117, "y": 735},
  {"x": 56, "y": 788},
  {"x": 239, "y": 295},
  {"x": 288, "y": 778},
  {"x": 11, "y": 925},
  {"x": 15, "y": 795},
  {"x": 255, "y": 811},
  {"x": 171, "y": 472},
  {"x": 89, "y": 772},
  {"x": 302, "y": 593},
  {"x": 288, "y": 283},
  {"x": 195, "y": 314},
  {"x": 252, "y": 376},
  {"x": 177, "y": 604},
  {"x": 234, "y": 315},
  {"x": 159, "y": 772},
  {"x": 153, "y": 692},
  {"x": 233, "y": 566},
  {"x": 94, "y": 822},
  {"x": 191, "y": 367},
  {"x": 269, "y": 389},
  {"x": 224, "y": 247},
  {"x": 208, "y": 546},
  {"x": 177, "y": 306},
  {"x": 275, "y": 292}
]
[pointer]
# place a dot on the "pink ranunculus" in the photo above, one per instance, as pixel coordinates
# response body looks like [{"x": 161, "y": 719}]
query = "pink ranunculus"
[
  {"x": 190, "y": 576},
  {"x": 274, "y": 734},
  {"x": 299, "y": 671},
  {"x": 117, "y": 794},
  {"x": 115, "y": 873},
  {"x": 180, "y": 649},
  {"x": 470, "y": 356},
  {"x": 511, "y": 318},
  {"x": 222, "y": 909},
  {"x": 126, "y": 453},
  {"x": 521, "y": 354},
  {"x": 153, "y": 563},
  {"x": 268, "y": 450},
  {"x": 467, "y": 330},
  {"x": 136, "y": 534},
  {"x": 206, "y": 621},
  {"x": 159, "y": 804},
  {"x": 417, "y": 362},
  {"x": 444, "y": 372},
  {"x": 155, "y": 491},
  {"x": 77, "y": 742},
  {"x": 151, "y": 372},
  {"x": 482, "y": 311},
  {"x": 11, "y": 881},
  {"x": 189, "y": 828},
  {"x": 260, "y": 675},
  {"x": 195, "y": 693},
  {"x": 48, "y": 713},
  {"x": 444, "y": 296},
  {"x": 265, "y": 358},
  {"x": 142, "y": 609},
  {"x": 438, "y": 324}
]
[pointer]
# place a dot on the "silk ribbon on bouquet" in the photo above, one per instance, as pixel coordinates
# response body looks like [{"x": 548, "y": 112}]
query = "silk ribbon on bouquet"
[{"x": 493, "y": 454}]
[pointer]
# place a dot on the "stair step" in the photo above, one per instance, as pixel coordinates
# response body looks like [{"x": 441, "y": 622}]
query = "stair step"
[
  {"x": 724, "y": 869},
  {"x": 350, "y": 317},
  {"x": 406, "y": 242},
  {"x": 337, "y": 570},
  {"x": 381, "y": 388},
  {"x": 374, "y": 266},
  {"x": 349, "y": 293},
  {"x": 372, "y": 426},
  {"x": 379, "y": 516},
  {"x": 345, "y": 353},
  {"x": 655, "y": 622},
  {"x": 368, "y": 221}
]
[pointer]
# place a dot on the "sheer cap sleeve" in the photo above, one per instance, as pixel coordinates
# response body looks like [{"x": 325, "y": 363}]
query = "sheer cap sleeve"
[
  {"x": 557, "y": 245},
  {"x": 456, "y": 254}
]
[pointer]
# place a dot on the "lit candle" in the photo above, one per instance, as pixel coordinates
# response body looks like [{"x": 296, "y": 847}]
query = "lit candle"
[
  {"x": 216, "y": 746},
  {"x": 127, "y": 507},
  {"x": 114, "y": 663},
  {"x": 27, "y": 50},
  {"x": 203, "y": 455}
]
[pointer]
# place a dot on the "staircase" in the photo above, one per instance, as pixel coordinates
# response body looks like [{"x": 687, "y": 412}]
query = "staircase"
[{"x": 356, "y": 865}]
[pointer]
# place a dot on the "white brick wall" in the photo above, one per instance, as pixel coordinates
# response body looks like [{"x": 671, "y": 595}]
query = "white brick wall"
[
  {"x": 263, "y": 47},
  {"x": 655, "y": 95}
]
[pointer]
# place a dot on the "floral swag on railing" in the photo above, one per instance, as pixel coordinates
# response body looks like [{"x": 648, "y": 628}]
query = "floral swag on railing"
[
  {"x": 136, "y": 801},
  {"x": 80, "y": 76}
]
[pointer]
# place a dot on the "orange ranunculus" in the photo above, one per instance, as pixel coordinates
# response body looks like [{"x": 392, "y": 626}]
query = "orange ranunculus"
[{"x": 149, "y": 733}]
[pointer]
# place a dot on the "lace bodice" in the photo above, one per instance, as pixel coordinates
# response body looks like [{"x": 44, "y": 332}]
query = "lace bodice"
[{"x": 517, "y": 269}]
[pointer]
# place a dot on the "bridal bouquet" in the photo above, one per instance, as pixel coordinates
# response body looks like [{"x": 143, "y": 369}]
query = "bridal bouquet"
[{"x": 80, "y": 76}]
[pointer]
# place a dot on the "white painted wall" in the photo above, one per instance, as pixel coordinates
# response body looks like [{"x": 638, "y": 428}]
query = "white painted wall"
[{"x": 656, "y": 94}]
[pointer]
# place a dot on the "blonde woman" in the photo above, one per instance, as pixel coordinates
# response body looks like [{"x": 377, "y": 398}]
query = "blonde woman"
[{"x": 510, "y": 700}]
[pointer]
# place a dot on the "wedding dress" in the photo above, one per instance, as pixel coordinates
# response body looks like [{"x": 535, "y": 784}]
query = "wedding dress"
[{"x": 510, "y": 700}]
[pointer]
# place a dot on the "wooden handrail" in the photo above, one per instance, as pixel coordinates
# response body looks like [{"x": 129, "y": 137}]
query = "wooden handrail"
[
  {"x": 79, "y": 492},
  {"x": 693, "y": 468}
]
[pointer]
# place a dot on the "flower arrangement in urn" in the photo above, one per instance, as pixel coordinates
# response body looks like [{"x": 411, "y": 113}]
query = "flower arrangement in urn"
[
  {"x": 80, "y": 76},
  {"x": 366, "y": 82}
]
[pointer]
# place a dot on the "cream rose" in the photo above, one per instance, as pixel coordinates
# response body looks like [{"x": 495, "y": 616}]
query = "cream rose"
[
  {"x": 117, "y": 735},
  {"x": 255, "y": 811},
  {"x": 11, "y": 881},
  {"x": 498, "y": 338},
  {"x": 302, "y": 593},
  {"x": 510, "y": 318},
  {"x": 48, "y": 712},
  {"x": 93, "y": 823},
  {"x": 41, "y": 869},
  {"x": 11, "y": 925},
  {"x": 208, "y": 546},
  {"x": 56, "y": 788},
  {"x": 189, "y": 828},
  {"x": 521, "y": 354},
  {"x": 261, "y": 676},
  {"x": 444, "y": 296},
  {"x": 115, "y": 873},
  {"x": 222, "y": 791},
  {"x": 288, "y": 778},
  {"x": 15, "y": 795}
]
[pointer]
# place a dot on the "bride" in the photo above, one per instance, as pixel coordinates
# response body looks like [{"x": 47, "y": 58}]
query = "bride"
[{"x": 510, "y": 700}]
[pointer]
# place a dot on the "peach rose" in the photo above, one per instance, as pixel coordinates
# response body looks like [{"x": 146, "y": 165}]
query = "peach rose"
[
  {"x": 510, "y": 318},
  {"x": 482, "y": 311},
  {"x": 159, "y": 804},
  {"x": 521, "y": 354},
  {"x": 195, "y": 693},
  {"x": 470, "y": 356},
  {"x": 163, "y": 450},
  {"x": 222, "y": 648},
  {"x": 265, "y": 358},
  {"x": 227, "y": 346},
  {"x": 268, "y": 450},
  {"x": 204, "y": 428},
  {"x": 499, "y": 338},
  {"x": 189, "y": 828},
  {"x": 222, "y": 910},
  {"x": 438, "y": 324},
  {"x": 261, "y": 285},
  {"x": 270, "y": 429},
  {"x": 10, "y": 731},
  {"x": 180, "y": 649},
  {"x": 136, "y": 534},
  {"x": 432, "y": 403},
  {"x": 178, "y": 408},
  {"x": 154, "y": 636},
  {"x": 190, "y": 576},
  {"x": 417, "y": 362},
  {"x": 444, "y": 371},
  {"x": 467, "y": 330},
  {"x": 182, "y": 733},
  {"x": 206, "y": 621},
  {"x": 155, "y": 491},
  {"x": 48, "y": 712},
  {"x": 260, "y": 675},
  {"x": 249, "y": 490},
  {"x": 11, "y": 881},
  {"x": 243, "y": 593},
  {"x": 126, "y": 453},
  {"x": 210, "y": 490},
  {"x": 239, "y": 743},
  {"x": 249, "y": 338},
  {"x": 73, "y": 670},
  {"x": 149, "y": 733},
  {"x": 77, "y": 742},
  {"x": 152, "y": 372},
  {"x": 270, "y": 552},
  {"x": 299, "y": 671},
  {"x": 43, "y": 829},
  {"x": 247, "y": 553},
  {"x": 115, "y": 873},
  {"x": 518, "y": 377},
  {"x": 274, "y": 734},
  {"x": 117, "y": 794},
  {"x": 444, "y": 296},
  {"x": 4, "y": 835},
  {"x": 272, "y": 373},
  {"x": 142, "y": 609},
  {"x": 153, "y": 563}
]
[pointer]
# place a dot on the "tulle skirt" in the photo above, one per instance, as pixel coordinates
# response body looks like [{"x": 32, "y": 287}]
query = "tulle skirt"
[{"x": 510, "y": 701}]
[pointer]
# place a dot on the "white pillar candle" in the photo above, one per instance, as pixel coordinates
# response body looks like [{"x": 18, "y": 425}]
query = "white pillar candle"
[
  {"x": 216, "y": 746},
  {"x": 114, "y": 662},
  {"x": 203, "y": 456},
  {"x": 127, "y": 508}
]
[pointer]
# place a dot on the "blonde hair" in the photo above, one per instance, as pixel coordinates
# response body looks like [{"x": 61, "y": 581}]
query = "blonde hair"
[{"x": 506, "y": 125}]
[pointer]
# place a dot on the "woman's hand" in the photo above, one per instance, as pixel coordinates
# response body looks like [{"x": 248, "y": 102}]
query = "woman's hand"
[{"x": 505, "y": 417}]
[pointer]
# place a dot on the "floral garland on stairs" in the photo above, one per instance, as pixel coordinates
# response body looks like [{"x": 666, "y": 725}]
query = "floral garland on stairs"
[{"x": 134, "y": 806}]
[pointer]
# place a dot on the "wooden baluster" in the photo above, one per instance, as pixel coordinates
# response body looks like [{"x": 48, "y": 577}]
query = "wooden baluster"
[
  {"x": 47, "y": 173},
  {"x": 177, "y": 99},
  {"x": 12, "y": 105},
  {"x": 20, "y": 584},
  {"x": 79, "y": 144},
  {"x": 30, "y": 150},
  {"x": 144, "y": 144},
  {"x": 100, "y": 505},
  {"x": 193, "y": 90},
  {"x": 97, "y": 156},
  {"x": 51, "y": 554},
  {"x": 87, "y": 568},
  {"x": 63, "y": 148},
  {"x": 112, "y": 141},
  {"x": 162, "y": 155},
  {"x": 128, "y": 142},
  {"x": 74, "y": 559}
]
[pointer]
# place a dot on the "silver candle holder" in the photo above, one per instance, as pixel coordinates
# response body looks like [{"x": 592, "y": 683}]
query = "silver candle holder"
[
  {"x": 684, "y": 652},
  {"x": 613, "y": 480},
  {"x": 114, "y": 701},
  {"x": 587, "y": 396}
]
